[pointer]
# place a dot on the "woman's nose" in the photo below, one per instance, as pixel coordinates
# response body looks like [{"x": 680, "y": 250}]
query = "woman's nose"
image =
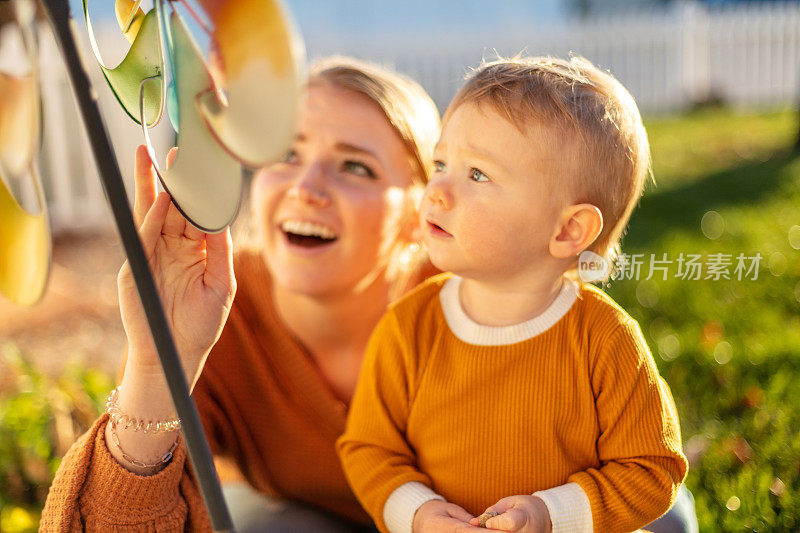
[
  {"x": 439, "y": 193},
  {"x": 311, "y": 187}
]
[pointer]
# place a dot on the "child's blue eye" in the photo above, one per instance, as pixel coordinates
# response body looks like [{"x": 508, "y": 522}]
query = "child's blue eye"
[
  {"x": 477, "y": 175},
  {"x": 438, "y": 166}
]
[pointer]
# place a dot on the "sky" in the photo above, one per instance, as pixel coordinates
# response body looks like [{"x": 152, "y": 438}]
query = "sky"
[{"x": 408, "y": 17}]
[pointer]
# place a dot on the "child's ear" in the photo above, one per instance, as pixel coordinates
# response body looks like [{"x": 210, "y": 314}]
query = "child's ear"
[{"x": 578, "y": 227}]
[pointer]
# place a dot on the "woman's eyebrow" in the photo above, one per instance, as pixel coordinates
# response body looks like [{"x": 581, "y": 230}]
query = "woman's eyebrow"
[{"x": 347, "y": 147}]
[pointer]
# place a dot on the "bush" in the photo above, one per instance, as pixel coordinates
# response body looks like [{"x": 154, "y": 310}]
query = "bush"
[{"x": 40, "y": 417}]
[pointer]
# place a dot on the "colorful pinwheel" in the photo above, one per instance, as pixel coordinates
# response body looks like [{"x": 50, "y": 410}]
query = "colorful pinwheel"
[{"x": 240, "y": 110}]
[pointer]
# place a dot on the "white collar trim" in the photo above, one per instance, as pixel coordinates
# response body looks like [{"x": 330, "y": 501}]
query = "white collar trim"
[{"x": 471, "y": 332}]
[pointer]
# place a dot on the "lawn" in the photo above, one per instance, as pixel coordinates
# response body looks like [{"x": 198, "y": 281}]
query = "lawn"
[{"x": 726, "y": 184}]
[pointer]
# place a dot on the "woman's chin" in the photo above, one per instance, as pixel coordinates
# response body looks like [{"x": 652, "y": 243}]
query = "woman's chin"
[
  {"x": 309, "y": 274},
  {"x": 325, "y": 270},
  {"x": 313, "y": 284}
]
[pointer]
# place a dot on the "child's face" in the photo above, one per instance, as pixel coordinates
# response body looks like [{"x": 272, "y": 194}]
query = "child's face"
[{"x": 487, "y": 213}]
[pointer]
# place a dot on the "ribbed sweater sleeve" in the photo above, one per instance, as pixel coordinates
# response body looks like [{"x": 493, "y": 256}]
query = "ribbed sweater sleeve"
[
  {"x": 639, "y": 447},
  {"x": 373, "y": 449},
  {"x": 92, "y": 492}
]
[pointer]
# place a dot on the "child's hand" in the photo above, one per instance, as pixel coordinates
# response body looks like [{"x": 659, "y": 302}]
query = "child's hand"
[
  {"x": 526, "y": 514},
  {"x": 436, "y": 516}
]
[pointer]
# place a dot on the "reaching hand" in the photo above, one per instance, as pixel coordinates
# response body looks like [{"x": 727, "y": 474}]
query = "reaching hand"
[
  {"x": 526, "y": 514},
  {"x": 193, "y": 272}
]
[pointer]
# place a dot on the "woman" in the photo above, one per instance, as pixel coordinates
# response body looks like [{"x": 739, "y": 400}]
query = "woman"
[{"x": 335, "y": 227}]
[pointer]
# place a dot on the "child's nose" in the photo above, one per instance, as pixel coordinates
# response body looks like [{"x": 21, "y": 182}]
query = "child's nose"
[
  {"x": 311, "y": 186},
  {"x": 438, "y": 193}
]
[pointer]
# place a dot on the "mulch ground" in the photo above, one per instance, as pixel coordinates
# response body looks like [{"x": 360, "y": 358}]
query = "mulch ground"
[{"x": 78, "y": 317}]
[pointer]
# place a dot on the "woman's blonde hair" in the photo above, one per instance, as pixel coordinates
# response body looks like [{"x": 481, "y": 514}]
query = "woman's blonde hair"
[{"x": 407, "y": 106}]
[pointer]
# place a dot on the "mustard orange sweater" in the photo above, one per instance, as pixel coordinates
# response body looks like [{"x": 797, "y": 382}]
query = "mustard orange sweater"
[
  {"x": 266, "y": 409},
  {"x": 569, "y": 404}
]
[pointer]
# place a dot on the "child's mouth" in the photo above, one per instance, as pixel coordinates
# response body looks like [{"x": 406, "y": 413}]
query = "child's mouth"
[{"x": 438, "y": 231}]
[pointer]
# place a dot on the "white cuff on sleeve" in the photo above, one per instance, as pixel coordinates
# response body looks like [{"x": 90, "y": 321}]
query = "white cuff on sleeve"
[
  {"x": 569, "y": 508},
  {"x": 402, "y": 504}
]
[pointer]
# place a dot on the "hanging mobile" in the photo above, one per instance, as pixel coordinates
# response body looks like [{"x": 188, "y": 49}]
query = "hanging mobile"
[
  {"x": 245, "y": 114},
  {"x": 25, "y": 248}
]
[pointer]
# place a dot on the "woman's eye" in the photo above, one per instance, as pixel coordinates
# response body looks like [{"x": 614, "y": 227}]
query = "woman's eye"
[
  {"x": 438, "y": 166},
  {"x": 477, "y": 175},
  {"x": 358, "y": 168},
  {"x": 290, "y": 156}
]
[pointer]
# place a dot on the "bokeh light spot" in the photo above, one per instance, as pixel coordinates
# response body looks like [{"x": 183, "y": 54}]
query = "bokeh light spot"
[
  {"x": 669, "y": 346},
  {"x": 794, "y": 237},
  {"x": 778, "y": 487},
  {"x": 713, "y": 225},
  {"x": 647, "y": 293},
  {"x": 723, "y": 352},
  {"x": 733, "y": 503},
  {"x": 777, "y": 263}
]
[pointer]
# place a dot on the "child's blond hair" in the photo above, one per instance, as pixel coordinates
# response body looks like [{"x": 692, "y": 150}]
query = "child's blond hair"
[{"x": 597, "y": 122}]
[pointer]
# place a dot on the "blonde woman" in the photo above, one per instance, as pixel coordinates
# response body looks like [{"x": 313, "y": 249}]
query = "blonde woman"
[{"x": 335, "y": 243}]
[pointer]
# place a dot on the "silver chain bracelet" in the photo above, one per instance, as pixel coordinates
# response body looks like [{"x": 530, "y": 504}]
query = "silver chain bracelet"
[{"x": 141, "y": 464}]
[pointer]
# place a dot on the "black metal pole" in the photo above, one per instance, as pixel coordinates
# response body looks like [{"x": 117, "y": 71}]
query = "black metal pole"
[{"x": 199, "y": 451}]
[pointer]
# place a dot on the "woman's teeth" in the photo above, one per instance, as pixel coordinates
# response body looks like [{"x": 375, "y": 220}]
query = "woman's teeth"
[
  {"x": 307, "y": 233},
  {"x": 307, "y": 229}
]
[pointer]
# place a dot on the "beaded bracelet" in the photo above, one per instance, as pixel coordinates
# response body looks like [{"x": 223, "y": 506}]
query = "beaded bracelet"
[
  {"x": 125, "y": 421},
  {"x": 141, "y": 464}
]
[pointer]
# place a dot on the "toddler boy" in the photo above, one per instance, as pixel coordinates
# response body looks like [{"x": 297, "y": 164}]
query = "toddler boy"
[{"x": 507, "y": 385}]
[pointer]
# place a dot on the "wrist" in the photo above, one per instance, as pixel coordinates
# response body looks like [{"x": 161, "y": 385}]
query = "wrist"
[
  {"x": 421, "y": 513},
  {"x": 121, "y": 418},
  {"x": 140, "y": 405},
  {"x": 416, "y": 522},
  {"x": 145, "y": 395},
  {"x": 145, "y": 365},
  {"x": 140, "y": 453},
  {"x": 543, "y": 512},
  {"x": 403, "y": 504},
  {"x": 142, "y": 360}
]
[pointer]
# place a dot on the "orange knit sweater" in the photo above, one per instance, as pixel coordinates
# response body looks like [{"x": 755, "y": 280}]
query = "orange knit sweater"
[
  {"x": 573, "y": 400},
  {"x": 265, "y": 407}
]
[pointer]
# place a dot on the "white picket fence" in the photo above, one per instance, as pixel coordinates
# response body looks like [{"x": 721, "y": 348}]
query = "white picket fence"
[
  {"x": 670, "y": 58},
  {"x": 748, "y": 55}
]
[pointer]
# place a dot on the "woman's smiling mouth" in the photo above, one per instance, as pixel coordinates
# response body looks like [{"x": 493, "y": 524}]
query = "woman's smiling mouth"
[{"x": 307, "y": 234}]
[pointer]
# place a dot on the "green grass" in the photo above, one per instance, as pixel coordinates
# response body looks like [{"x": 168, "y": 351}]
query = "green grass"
[{"x": 729, "y": 349}]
